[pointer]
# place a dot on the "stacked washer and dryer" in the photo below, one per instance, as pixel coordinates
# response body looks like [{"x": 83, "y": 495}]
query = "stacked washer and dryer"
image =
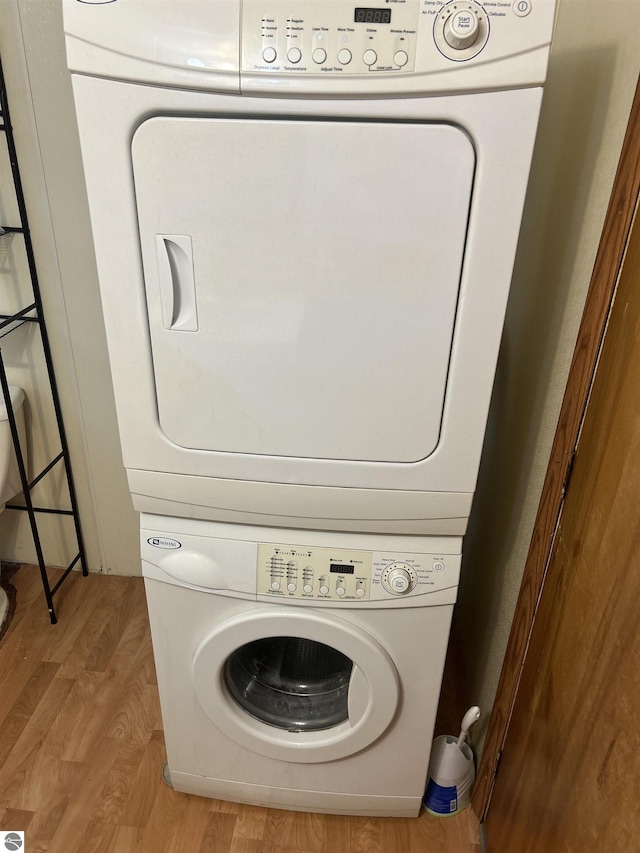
[{"x": 305, "y": 217}]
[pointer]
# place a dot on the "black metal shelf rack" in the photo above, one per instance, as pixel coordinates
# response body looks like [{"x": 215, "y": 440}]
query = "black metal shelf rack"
[{"x": 9, "y": 323}]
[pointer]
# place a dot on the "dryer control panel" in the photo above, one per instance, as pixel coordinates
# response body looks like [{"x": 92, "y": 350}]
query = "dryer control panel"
[
  {"x": 340, "y": 574},
  {"x": 329, "y": 38},
  {"x": 389, "y": 45},
  {"x": 320, "y": 48}
]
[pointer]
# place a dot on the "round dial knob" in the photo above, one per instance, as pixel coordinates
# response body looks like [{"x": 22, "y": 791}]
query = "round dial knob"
[
  {"x": 398, "y": 580},
  {"x": 461, "y": 29}
]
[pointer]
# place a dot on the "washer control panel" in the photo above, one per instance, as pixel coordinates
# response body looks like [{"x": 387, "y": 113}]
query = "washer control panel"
[
  {"x": 329, "y": 37},
  {"x": 339, "y": 574}
]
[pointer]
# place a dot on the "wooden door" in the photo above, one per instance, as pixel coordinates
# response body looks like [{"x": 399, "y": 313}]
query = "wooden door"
[{"x": 570, "y": 768}]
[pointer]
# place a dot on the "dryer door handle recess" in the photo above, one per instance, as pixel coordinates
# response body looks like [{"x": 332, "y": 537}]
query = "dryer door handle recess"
[{"x": 176, "y": 282}]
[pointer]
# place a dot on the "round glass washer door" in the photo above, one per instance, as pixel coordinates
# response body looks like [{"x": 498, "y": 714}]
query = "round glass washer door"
[
  {"x": 291, "y": 683},
  {"x": 298, "y": 686}
]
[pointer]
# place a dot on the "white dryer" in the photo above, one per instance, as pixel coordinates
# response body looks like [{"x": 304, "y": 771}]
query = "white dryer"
[
  {"x": 305, "y": 217},
  {"x": 299, "y": 670}
]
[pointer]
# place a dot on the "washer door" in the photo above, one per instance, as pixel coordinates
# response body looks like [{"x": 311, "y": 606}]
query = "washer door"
[{"x": 297, "y": 686}]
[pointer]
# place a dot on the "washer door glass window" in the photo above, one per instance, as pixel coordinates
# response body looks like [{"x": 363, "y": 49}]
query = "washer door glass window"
[
  {"x": 295, "y": 684},
  {"x": 292, "y": 683}
]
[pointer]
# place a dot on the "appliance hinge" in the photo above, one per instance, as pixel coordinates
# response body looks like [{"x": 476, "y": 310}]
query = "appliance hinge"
[{"x": 567, "y": 473}]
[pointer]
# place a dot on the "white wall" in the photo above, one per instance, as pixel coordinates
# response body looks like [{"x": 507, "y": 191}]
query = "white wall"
[
  {"x": 32, "y": 51},
  {"x": 593, "y": 71}
]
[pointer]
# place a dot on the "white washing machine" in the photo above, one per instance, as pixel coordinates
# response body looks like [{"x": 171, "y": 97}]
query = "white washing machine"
[
  {"x": 305, "y": 217},
  {"x": 299, "y": 670}
]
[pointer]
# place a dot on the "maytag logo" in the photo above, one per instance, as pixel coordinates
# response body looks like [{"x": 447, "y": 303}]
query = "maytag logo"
[{"x": 162, "y": 542}]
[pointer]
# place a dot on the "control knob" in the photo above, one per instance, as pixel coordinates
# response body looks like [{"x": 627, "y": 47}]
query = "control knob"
[
  {"x": 461, "y": 29},
  {"x": 398, "y": 580}
]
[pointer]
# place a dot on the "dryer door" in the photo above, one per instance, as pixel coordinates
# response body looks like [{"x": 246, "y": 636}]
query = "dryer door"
[
  {"x": 297, "y": 686},
  {"x": 302, "y": 281}
]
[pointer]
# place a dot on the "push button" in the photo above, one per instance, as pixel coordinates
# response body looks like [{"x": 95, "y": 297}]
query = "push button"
[
  {"x": 401, "y": 58},
  {"x": 369, "y": 57},
  {"x": 269, "y": 54},
  {"x": 522, "y": 8},
  {"x": 319, "y": 55},
  {"x": 344, "y": 56}
]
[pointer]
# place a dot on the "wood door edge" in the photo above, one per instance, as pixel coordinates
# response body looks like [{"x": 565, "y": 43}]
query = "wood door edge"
[{"x": 613, "y": 240}]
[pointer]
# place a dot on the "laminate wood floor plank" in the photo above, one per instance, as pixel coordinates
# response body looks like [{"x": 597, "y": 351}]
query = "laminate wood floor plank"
[
  {"x": 47, "y": 789},
  {"x": 219, "y": 834},
  {"x": 22, "y": 756},
  {"x": 114, "y": 630},
  {"x": 119, "y": 786},
  {"x": 82, "y": 748},
  {"x": 365, "y": 835},
  {"x": 301, "y": 830},
  {"x": 146, "y": 783},
  {"x": 396, "y": 834},
  {"x": 135, "y": 636},
  {"x": 231, "y": 808},
  {"x": 22, "y": 650},
  {"x": 250, "y": 822},
  {"x": 24, "y": 706},
  {"x": 105, "y": 608},
  {"x": 200, "y": 827},
  {"x": 98, "y": 837},
  {"x": 93, "y": 699},
  {"x": 128, "y": 839},
  {"x": 336, "y": 833},
  {"x": 247, "y": 845},
  {"x": 85, "y": 798},
  {"x": 163, "y": 824},
  {"x": 136, "y": 712},
  {"x": 17, "y": 819}
]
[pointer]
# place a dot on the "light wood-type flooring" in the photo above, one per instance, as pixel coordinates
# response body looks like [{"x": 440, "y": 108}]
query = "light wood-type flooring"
[{"x": 81, "y": 746}]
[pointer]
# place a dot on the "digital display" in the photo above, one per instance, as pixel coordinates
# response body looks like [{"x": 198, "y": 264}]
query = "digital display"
[
  {"x": 341, "y": 569},
  {"x": 372, "y": 16}
]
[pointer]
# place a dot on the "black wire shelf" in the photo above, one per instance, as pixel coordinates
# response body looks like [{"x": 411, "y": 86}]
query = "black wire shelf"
[{"x": 9, "y": 323}]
